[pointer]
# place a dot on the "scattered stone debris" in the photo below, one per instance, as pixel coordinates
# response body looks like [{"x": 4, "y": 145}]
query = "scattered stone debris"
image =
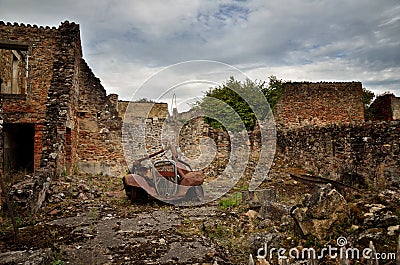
[
  {"x": 274, "y": 210},
  {"x": 260, "y": 240},
  {"x": 27, "y": 257},
  {"x": 256, "y": 198},
  {"x": 319, "y": 212},
  {"x": 252, "y": 214},
  {"x": 30, "y": 192},
  {"x": 91, "y": 229},
  {"x": 392, "y": 230},
  {"x": 379, "y": 216},
  {"x": 21, "y": 192}
]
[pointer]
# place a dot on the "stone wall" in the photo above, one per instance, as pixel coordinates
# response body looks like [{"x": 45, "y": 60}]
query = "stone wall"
[
  {"x": 323, "y": 103},
  {"x": 370, "y": 151},
  {"x": 75, "y": 123},
  {"x": 203, "y": 147},
  {"x": 143, "y": 128},
  {"x": 59, "y": 133},
  {"x": 362, "y": 153},
  {"x": 41, "y": 45},
  {"x": 396, "y": 108},
  {"x": 381, "y": 108},
  {"x": 143, "y": 110},
  {"x": 385, "y": 107},
  {"x": 99, "y": 150},
  {"x": 44, "y": 99}
]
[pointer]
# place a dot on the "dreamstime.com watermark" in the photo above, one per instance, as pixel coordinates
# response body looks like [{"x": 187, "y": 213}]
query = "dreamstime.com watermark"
[{"x": 332, "y": 252}]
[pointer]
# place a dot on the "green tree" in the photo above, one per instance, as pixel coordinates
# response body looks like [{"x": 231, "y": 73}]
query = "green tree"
[
  {"x": 274, "y": 91},
  {"x": 368, "y": 96},
  {"x": 223, "y": 105}
]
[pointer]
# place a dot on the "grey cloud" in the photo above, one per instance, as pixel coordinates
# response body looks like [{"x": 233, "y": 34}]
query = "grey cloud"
[{"x": 125, "y": 41}]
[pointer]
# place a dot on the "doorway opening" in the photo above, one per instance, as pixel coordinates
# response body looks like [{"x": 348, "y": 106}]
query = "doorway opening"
[{"x": 19, "y": 147}]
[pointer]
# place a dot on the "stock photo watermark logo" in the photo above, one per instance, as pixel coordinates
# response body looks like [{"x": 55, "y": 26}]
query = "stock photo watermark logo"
[
  {"x": 182, "y": 86},
  {"x": 332, "y": 252}
]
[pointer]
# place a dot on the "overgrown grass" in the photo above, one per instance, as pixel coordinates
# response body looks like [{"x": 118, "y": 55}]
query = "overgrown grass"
[{"x": 232, "y": 200}]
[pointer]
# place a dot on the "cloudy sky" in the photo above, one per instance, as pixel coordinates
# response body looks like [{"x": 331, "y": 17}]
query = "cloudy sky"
[{"x": 129, "y": 42}]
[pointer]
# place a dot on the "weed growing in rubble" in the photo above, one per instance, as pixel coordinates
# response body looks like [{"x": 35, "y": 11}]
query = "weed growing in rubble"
[
  {"x": 232, "y": 200},
  {"x": 94, "y": 217},
  {"x": 57, "y": 262},
  {"x": 56, "y": 258},
  {"x": 123, "y": 201},
  {"x": 64, "y": 173},
  {"x": 94, "y": 214},
  {"x": 76, "y": 170}
]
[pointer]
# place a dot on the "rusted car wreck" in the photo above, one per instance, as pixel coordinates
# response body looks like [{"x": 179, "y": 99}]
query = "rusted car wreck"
[{"x": 170, "y": 180}]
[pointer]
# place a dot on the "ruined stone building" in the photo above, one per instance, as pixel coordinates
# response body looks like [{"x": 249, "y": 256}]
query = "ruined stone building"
[
  {"x": 56, "y": 114},
  {"x": 385, "y": 107},
  {"x": 321, "y": 103}
]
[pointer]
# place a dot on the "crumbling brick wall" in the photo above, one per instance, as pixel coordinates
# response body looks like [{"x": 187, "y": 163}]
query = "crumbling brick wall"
[
  {"x": 76, "y": 125},
  {"x": 41, "y": 43},
  {"x": 385, "y": 107},
  {"x": 143, "y": 128},
  {"x": 49, "y": 97},
  {"x": 323, "y": 103},
  {"x": 99, "y": 150}
]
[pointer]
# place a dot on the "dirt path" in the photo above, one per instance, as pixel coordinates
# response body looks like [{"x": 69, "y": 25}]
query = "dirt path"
[{"x": 151, "y": 237}]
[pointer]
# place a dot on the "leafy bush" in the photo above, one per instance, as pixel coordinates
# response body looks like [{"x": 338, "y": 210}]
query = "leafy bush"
[
  {"x": 368, "y": 96},
  {"x": 234, "y": 106},
  {"x": 273, "y": 92}
]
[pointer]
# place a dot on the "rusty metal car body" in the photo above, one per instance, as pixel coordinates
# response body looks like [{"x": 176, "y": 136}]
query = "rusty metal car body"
[{"x": 167, "y": 180}]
